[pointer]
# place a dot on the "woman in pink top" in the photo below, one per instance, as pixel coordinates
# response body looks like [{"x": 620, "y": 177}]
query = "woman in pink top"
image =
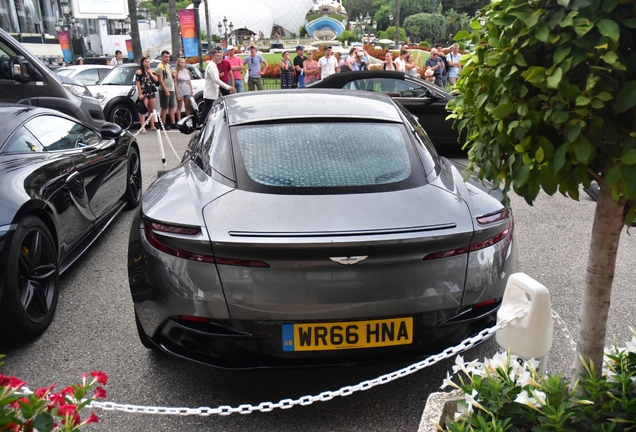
[{"x": 311, "y": 68}]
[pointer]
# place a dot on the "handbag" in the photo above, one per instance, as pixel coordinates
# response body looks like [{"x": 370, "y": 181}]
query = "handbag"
[{"x": 141, "y": 106}]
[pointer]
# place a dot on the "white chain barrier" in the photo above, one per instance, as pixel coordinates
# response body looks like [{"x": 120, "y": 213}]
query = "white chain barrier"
[
  {"x": 225, "y": 410},
  {"x": 158, "y": 120},
  {"x": 566, "y": 333}
]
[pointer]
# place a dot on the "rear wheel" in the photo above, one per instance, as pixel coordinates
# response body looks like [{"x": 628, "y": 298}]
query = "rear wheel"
[
  {"x": 31, "y": 285},
  {"x": 133, "y": 177},
  {"x": 122, "y": 115}
]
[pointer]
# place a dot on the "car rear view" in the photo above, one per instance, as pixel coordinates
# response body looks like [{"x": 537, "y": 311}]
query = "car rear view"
[{"x": 314, "y": 240}]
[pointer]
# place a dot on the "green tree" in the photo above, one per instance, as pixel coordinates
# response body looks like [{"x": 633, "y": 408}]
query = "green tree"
[
  {"x": 390, "y": 34},
  {"x": 430, "y": 27},
  {"x": 469, "y": 7},
  {"x": 382, "y": 17},
  {"x": 456, "y": 21},
  {"x": 348, "y": 36},
  {"x": 548, "y": 103}
]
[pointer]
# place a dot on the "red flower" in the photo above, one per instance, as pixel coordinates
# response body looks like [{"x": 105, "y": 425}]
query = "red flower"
[
  {"x": 67, "y": 410},
  {"x": 57, "y": 398},
  {"x": 11, "y": 382},
  {"x": 41, "y": 392},
  {"x": 100, "y": 393},
  {"x": 92, "y": 419},
  {"x": 101, "y": 377},
  {"x": 68, "y": 391}
]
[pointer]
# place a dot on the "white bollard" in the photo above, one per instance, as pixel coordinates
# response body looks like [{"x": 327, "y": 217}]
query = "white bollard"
[
  {"x": 530, "y": 336},
  {"x": 162, "y": 152}
]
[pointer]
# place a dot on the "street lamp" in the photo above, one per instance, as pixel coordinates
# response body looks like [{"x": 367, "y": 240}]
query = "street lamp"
[
  {"x": 196, "y": 4},
  {"x": 223, "y": 30}
]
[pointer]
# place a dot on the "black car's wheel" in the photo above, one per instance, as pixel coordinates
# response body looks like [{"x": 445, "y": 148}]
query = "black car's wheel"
[
  {"x": 200, "y": 103},
  {"x": 133, "y": 179},
  {"x": 122, "y": 115},
  {"x": 32, "y": 281}
]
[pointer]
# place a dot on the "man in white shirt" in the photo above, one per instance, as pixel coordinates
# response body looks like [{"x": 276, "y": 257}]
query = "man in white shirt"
[
  {"x": 117, "y": 59},
  {"x": 400, "y": 62},
  {"x": 212, "y": 84},
  {"x": 453, "y": 58},
  {"x": 327, "y": 65}
]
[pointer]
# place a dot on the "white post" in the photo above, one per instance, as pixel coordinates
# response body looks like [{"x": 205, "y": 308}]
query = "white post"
[
  {"x": 530, "y": 336},
  {"x": 163, "y": 154}
]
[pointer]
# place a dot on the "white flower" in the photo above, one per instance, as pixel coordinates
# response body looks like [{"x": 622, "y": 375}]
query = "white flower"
[
  {"x": 448, "y": 382},
  {"x": 540, "y": 397},
  {"x": 525, "y": 398},
  {"x": 459, "y": 364},
  {"x": 475, "y": 368},
  {"x": 631, "y": 345},
  {"x": 525, "y": 378}
]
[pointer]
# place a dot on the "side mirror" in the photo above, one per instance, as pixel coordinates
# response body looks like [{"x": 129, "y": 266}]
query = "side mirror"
[
  {"x": 20, "y": 68},
  {"x": 110, "y": 131},
  {"x": 187, "y": 125}
]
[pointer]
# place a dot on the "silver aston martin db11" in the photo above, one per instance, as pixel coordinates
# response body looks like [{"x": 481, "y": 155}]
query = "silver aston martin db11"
[{"x": 315, "y": 228}]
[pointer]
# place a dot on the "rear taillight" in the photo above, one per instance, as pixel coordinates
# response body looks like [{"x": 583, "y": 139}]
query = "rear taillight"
[
  {"x": 186, "y": 242},
  {"x": 482, "y": 220}
]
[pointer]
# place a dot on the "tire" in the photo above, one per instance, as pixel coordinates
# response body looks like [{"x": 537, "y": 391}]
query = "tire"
[
  {"x": 31, "y": 285},
  {"x": 122, "y": 115},
  {"x": 200, "y": 103},
  {"x": 133, "y": 179}
]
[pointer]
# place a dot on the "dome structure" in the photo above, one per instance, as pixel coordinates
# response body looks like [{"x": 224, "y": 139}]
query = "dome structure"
[
  {"x": 288, "y": 14},
  {"x": 243, "y": 14}
]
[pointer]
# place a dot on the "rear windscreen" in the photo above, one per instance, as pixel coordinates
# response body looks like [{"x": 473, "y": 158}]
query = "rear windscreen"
[{"x": 325, "y": 155}]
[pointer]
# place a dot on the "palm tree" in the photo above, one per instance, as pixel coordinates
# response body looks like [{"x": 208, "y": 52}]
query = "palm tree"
[
  {"x": 134, "y": 30},
  {"x": 174, "y": 30}
]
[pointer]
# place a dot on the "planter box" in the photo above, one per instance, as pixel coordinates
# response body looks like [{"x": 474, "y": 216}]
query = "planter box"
[{"x": 439, "y": 406}]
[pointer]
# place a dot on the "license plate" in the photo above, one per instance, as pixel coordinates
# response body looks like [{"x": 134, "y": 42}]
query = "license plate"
[{"x": 347, "y": 335}]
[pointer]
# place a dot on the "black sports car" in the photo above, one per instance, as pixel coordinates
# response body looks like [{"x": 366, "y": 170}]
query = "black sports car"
[
  {"x": 424, "y": 100},
  {"x": 62, "y": 183}
]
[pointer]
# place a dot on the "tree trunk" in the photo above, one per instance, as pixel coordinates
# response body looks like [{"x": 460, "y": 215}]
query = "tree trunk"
[
  {"x": 606, "y": 231},
  {"x": 134, "y": 30},
  {"x": 397, "y": 24},
  {"x": 208, "y": 27},
  {"x": 174, "y": 30}
]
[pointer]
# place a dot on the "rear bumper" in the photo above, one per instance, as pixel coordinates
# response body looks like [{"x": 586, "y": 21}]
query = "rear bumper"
[{"x": 232, "y": 344}]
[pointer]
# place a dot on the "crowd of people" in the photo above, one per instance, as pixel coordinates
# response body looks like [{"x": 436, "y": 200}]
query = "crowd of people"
[{"x": 224, "y": 74}]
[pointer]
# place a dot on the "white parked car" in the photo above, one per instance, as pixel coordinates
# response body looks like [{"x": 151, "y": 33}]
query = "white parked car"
[
  {"x": 86, "y": 74},
  {"x": 117, "y": 93}
]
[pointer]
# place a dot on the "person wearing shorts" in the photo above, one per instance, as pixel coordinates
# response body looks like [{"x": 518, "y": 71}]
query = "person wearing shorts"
[{"x": 166, "y": 89}]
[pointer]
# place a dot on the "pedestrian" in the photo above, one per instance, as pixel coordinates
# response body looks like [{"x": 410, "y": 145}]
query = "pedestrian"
[
  {"x": 298, "y": 66},
  {"x": 237, "y": 68},
  {"x": 79, "y": 61},
  {"x": 310, "y": 68},
  {"x": 429, "y": 76},
  {"x": 341, "y": 63},
  {"x": 166, "y": 89},
  {"x": 442, "y": 57},
  {"x": 436, "y": 65},
  {"x": 387, "y": 64},
  {"x": 225, "y": 73},
  {"x": 411, "y": 65},
  {"x": 328, "y": 65},
  {"x": 400, "y": 62},
  {"x": 286, "y": 72},
  {"x": 353, "y": 53},
  {"x": 254, "y": 62},
  {"x": 453, "y": 59},
  {"x": 212, "y": 84},
  {"x": 117, "y": 59},
  {"x": 146, "y": 80},
  {"x": 183, "y": 88}
]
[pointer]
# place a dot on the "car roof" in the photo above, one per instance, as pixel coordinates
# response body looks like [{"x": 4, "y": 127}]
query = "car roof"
[
  {"x": 87, "y": 66},
  {"x": 12, "y": 115},
  {"x": 253, "y": 107}
]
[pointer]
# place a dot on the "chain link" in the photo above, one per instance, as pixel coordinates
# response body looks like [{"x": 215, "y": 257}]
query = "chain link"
[
  {"x": 566, "y": 333},
  {"x": 225, "y": 410}
]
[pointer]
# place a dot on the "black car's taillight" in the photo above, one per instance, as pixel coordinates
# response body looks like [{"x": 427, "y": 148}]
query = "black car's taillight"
[
  {"x": 493, "y": 218},
  {"x": 186, "y": 242}
]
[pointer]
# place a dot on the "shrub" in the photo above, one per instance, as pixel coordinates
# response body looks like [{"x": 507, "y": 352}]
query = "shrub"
[{"x": 504, "y": 394}]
